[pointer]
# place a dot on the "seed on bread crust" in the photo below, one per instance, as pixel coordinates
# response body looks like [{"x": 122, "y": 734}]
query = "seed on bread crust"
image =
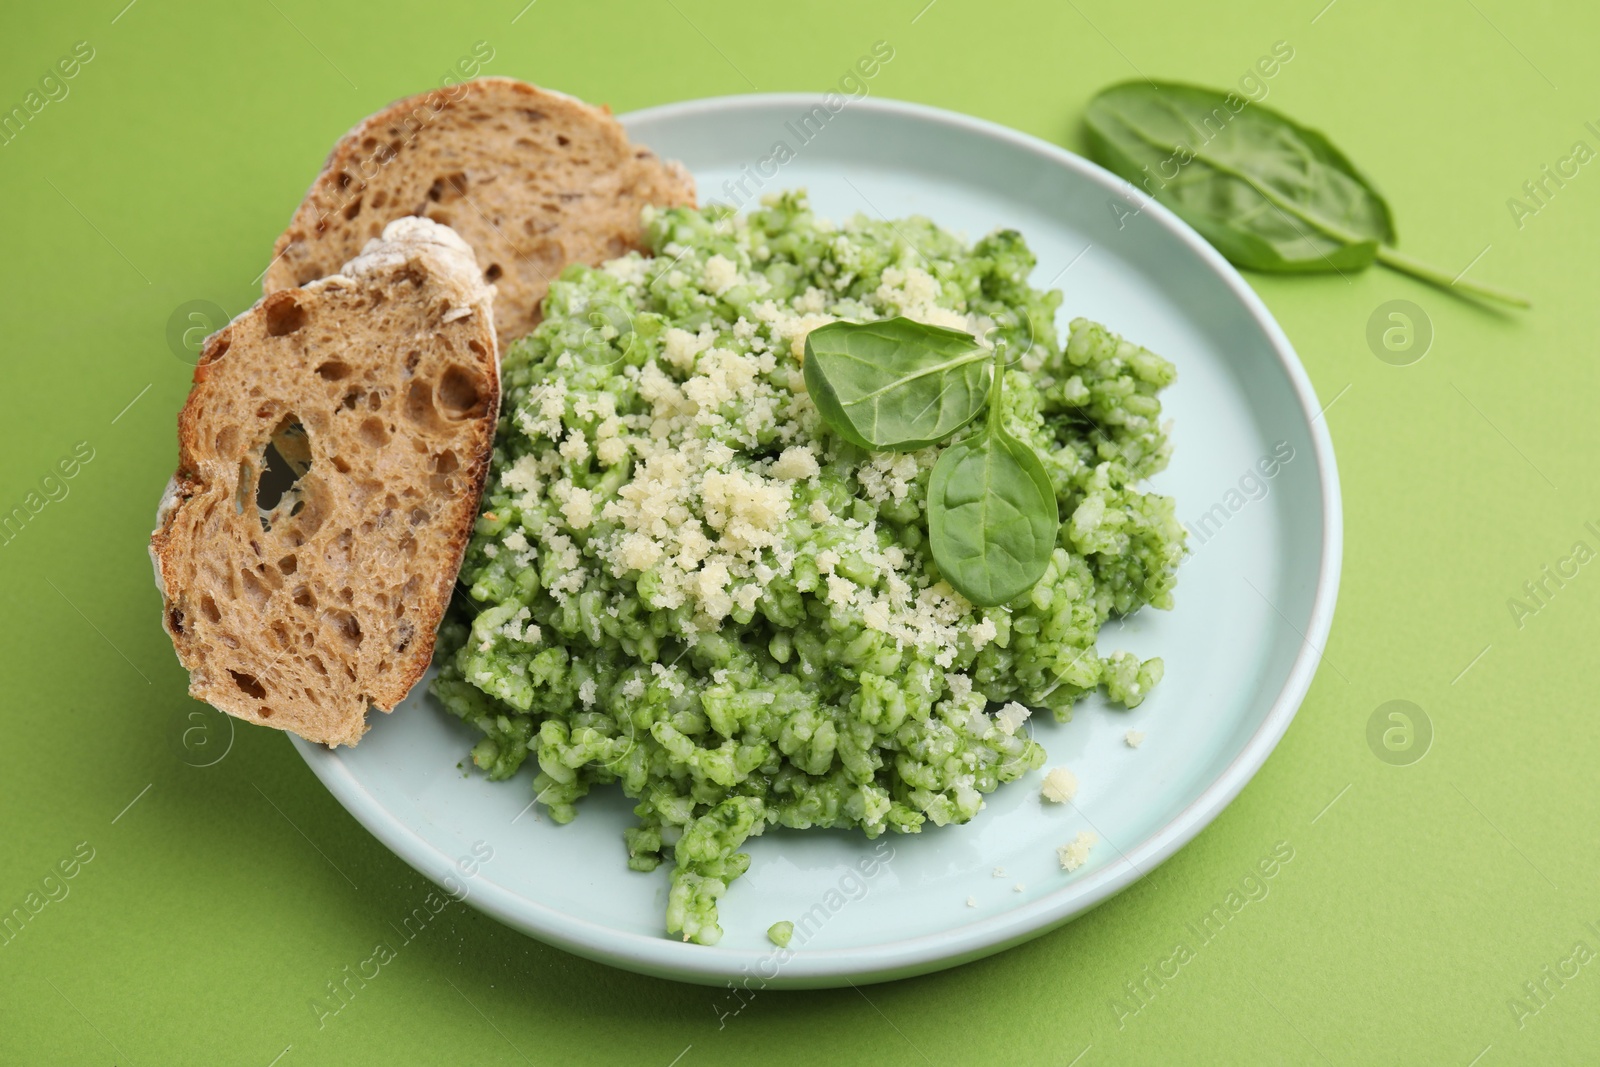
[
  {"x": 531, "y": 179},
  {"x": 332, "y": 453}
]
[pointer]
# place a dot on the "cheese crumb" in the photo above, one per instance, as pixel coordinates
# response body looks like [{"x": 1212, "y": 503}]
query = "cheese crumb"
[
  {"x": 576, "y": 447},
  {"x": 796, "y": 464},
  {"x": 972, "y": 902},
  {"x": 721, "y": 274},
  {"x": 999, "y": 872},
  {"x": 1060, "y": 786},
  {"x": 586, "y": 692},
  {"x": 1134, "y": 738},
  {"x": 639, "y": 552},
  {"x": 1073, "y": 855},
  {"x": 1011, "y": 717},
  {"x": 579, "y": 508},
  {"x": 982, "y": 633}
]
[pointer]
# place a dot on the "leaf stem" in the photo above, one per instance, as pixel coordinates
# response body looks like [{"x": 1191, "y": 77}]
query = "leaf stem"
[
  {"x": 1397, "y": 260},
  {"x": 997, "y": 385}
]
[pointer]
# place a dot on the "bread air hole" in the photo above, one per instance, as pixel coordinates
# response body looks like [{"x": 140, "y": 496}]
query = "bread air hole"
[
  {"x": 353, "y": 208},
  {"x": 461, "y": 394},
  {"x": 346, "y": 626},
  {"x": 284, "y": 463},
  {"x": 248, "y": 685},
  {"x": 334, "y": 371},
  {"x": 253, "y": 588},
  {"x": 217, "y": 348},
  {"x": 447, "y": 188},
  {"x": 419, "y": 404},
  {"x": 284, "y": 314},
  {"x": 492, "y": 275},
  {"x": 374, "y": 433}
]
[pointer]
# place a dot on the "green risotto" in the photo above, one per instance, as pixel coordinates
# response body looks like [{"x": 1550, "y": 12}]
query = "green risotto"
[{"x": 684, "y": 583}]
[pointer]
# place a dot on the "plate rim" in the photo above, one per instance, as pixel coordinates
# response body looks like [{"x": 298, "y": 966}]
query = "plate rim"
[{"x": 663, "y": 957}]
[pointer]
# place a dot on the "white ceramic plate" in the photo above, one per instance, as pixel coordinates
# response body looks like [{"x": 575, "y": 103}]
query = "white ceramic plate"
[{"x": 1254, "y": 601}]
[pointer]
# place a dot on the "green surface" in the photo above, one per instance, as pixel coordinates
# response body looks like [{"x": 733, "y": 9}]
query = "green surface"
[{"x": 1415, "y": 907}]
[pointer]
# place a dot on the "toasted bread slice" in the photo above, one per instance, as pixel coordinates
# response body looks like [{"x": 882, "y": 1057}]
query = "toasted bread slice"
[
  {"x": 532, "y": 179},
  {"x": 375, "y": 391}
]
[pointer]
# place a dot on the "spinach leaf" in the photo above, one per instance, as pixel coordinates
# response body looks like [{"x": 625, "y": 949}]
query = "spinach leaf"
[
  {"x": 895, "y": 385},
  {"x": 992, "y": 513},
  {"x": 1269, "y": 193}
]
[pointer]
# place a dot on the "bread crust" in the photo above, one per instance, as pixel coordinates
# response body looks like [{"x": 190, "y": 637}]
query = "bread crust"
[
  {"x": 532, "y": 179},
  {"x": 302, "y": 617}
]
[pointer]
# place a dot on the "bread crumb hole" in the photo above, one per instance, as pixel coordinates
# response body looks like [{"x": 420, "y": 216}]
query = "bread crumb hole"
[
  {"x": 460, "y": 393},
  {"x": 208, "y": 608},
  {"x": 341, "y": 464},
  {"x": 334, "y": 370},
  {"x": 246, "y": 487},
  {"x": 265, "y": 712},
  {"x": 353, "y": 208},
  {"x": 563, "y": 140},
  {"x": 493, "y": 273},
  {"x": 445, "y": 462},
  {"x": 217, "y": 348},
  {"x": 248, "y": 685},
  {"x": 374, "y": 433},
  {"x": 284, "y": 314},
  {"x": 419, "y": 403},
  {"x": 175, "y": 621},
  {"x": 288, "y": 564},
  {"x": 287, "y": 458},
  {"x": 447, "y": 188},
  {"x": 305, "y": 598},
  {"x": 252, "y": 585}
]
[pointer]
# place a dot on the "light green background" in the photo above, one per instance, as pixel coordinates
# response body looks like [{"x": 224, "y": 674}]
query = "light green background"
[{"x": 1416, "y": 905}]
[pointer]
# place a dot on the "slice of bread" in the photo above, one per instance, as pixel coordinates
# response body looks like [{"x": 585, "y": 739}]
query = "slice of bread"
[
  {"x": 532, "y": 179},
  {"x": 375, "y": 391}
]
